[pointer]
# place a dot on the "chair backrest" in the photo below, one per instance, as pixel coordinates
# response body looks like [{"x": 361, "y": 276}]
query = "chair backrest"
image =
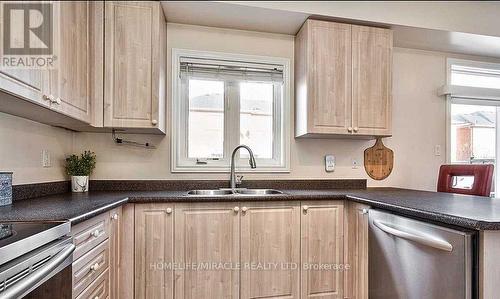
[{"x": 482, "y": 173}]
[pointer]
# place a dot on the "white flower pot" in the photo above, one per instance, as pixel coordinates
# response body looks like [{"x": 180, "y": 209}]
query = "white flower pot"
[{"x": 80, "y": 183}]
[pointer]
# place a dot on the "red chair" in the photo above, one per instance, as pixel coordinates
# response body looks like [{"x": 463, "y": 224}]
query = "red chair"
[{"x": 482, "y": 173}]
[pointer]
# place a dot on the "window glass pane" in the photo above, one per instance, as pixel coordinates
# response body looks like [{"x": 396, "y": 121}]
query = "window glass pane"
[
  {"x": 473, "y": 134},
  {"x": 256, "y": 118},
  {"x": 206, "y": 119}
]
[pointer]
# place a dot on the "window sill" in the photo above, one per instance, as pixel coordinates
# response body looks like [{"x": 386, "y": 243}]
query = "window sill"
[{"x": 262, "y": 169}]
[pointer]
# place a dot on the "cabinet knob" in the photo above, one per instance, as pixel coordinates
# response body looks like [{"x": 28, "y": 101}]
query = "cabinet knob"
[
  {"x": 305, "y": 208},
  {"x": 95, "y": 233},
  {"x": 114, "y": 216},
  {"x": 154, "y": 122},
  {"x": 94, "y": 267},
  {"x": 355, "y": 129},
  {"x": 236, "y": 210},
  {"x": 96, "y": 297},
  {"x": 364, "y": 211},
  {"x": 169, "y": 210},
  {"x": 244, "y": 209},
  {"x": 57, "y": 101},
  {"x": 349, "y": 129}
]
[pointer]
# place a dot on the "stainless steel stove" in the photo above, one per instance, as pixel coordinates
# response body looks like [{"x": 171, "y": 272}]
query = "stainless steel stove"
[{"x": 30, "y": 254}]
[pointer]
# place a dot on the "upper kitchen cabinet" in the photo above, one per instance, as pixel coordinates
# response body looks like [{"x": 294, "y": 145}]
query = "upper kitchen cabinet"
[
  {"x": 70, "y": 80},
  {"x": 371, "y": 80},
  {"x": 134, "y": 72},
  {"x": 30, "y": 84},
  {"x": 342, "y": 80}
]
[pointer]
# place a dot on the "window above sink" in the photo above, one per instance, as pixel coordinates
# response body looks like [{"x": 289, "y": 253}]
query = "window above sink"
[{"x": 221, "y": 100}]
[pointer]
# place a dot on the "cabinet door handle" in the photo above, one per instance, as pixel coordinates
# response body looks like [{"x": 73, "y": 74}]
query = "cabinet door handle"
[
  {"x": 57, "y": 101},
  {"x": 114, "y": 216},
  {"x": 349, "y": 129},
  {"x": 244, "y": 209},
  {"x": 169, "y": 211},
  {"x": 236, "y": 210},
  {"x": 95, "y": 233},
  {"x": 94, "y": 267},
  {"x": 154, "y": 122},
  {"x": 355, "y": 129},
  {"x": 305, "y": 208},
  {"x": 364, "y": 211}
]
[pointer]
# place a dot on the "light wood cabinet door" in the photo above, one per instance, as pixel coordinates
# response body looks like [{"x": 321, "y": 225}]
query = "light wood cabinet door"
[
  {"x": 371, "y": 80},
  {"x": 207, "y": 235},
  {"x": 322, "y": 249},
  {"x": 115, "y": 261},
  {"x": 70, "y": 80},
  {"x": 270, "y": 245},
  {"x": 323, "y": 77},
  {"x": 29, "y": 84},
  {"x": 154, "y": 249},
  {"x": 356, "y": 250},
  {"x": 134, "y": 72}
]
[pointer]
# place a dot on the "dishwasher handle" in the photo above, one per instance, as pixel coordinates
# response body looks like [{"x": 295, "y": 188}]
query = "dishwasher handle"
[
  {"x": 32, "y": 279},
  {"x": 421, "y": 239}
]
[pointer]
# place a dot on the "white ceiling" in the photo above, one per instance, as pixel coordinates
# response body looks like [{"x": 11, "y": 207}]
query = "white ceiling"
[{"x": 240, "y": 16}]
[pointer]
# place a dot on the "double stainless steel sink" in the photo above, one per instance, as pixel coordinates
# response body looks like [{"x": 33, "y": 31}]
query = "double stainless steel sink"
[{"x": 238, "y": 191}]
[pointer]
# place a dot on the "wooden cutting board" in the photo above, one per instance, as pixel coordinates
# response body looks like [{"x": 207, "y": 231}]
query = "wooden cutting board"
[{"x": 379, "y": 160}]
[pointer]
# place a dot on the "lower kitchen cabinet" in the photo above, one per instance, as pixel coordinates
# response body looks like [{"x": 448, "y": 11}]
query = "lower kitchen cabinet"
[
  {"x": 96, "y": 264},
  {"x": 321, "y": 251},
  {"x": 207, "y": 236},
  {"x": 270, "y": 250},
  {"x": 356, "y": 250},
  {"x": 154, "y": 249},
  {"x": 115, "y": 261},
  {"x": 245, "y": 250}
]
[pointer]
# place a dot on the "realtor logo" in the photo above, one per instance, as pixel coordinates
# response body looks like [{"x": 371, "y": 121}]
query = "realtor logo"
[{"x": 27, "y": 35}]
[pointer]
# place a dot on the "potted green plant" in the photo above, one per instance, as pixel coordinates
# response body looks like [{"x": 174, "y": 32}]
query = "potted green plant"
[{"x": 80, "y": 168}]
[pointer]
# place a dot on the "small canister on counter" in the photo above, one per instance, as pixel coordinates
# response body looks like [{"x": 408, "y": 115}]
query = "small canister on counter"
[{"x": 5, "y": 188}]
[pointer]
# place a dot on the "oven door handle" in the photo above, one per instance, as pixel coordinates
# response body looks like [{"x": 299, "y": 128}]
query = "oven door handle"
[
  {"x": 417, "y": 238},
  {"x": 32, "y": 279}
]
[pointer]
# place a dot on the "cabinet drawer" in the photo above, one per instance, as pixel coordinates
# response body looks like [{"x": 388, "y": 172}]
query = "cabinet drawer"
[
  {"x": 99, "y": 289},
  {"x": 87, "y": 268},
  {"x": 89, "y": 234}
]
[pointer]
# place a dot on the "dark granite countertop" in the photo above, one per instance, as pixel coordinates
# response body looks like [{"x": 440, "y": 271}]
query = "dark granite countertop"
[{"x": 480, "y": 213}]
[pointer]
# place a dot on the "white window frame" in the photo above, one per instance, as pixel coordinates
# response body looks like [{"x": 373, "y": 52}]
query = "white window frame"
[
  {"x": 179, "y": 160},
  {"x": 467, "y": 95}
]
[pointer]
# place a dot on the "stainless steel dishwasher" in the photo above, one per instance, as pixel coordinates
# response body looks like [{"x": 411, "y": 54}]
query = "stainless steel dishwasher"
[{"x": 414, "y": 259}]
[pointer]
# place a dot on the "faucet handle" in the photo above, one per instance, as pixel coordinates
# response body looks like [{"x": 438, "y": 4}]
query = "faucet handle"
[{"x": 239, "y": 179}]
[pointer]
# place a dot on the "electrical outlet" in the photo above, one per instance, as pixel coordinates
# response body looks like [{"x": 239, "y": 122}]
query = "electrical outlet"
[
  {"x": 46, "y": 161},
  {"x": 329, "y": 163},
  {"x": 354, "y": 163}
]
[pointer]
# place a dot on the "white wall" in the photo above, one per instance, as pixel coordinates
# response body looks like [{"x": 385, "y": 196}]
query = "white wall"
[
  {"x": 418, "y": 120},
  {"x": 21, "y": 145}
]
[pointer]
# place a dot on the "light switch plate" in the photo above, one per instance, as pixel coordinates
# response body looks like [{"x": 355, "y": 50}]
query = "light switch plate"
[
  {"x": 46, "y": 158},
  {"x": 329, "y": 163}
]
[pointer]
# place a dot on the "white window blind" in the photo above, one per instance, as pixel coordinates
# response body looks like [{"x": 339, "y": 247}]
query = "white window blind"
[{"x": 230, "y": 70}]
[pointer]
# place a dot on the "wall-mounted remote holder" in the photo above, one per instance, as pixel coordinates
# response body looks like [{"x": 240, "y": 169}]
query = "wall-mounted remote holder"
[{"x": 329, "y": 163}]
